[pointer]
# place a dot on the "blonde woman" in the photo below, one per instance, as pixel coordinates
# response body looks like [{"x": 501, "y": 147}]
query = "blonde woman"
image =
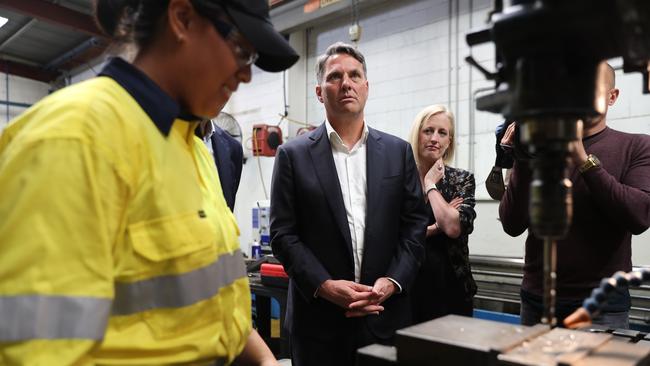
[{"x": 444, "y": 284}]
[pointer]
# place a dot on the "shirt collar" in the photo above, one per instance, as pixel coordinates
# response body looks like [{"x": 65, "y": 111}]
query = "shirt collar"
[
  {"x": 157, "y": 104},
  {"x": 209, "y": 130},
  {"x": 336, "y": 139},
  {"x": 590, "y": 140}
]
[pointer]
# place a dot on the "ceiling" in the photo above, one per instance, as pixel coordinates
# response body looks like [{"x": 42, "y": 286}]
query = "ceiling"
[{"x": 46, "y": 39}]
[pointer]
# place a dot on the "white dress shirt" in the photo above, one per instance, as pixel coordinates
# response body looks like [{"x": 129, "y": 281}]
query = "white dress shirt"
[
  {"x": 351, "y": 169},
  {"x": 207, "y": 135}
]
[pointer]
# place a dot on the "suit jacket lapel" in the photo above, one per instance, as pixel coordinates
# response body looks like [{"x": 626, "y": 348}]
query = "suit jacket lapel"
[
  {"x": 374, "y": 175},
  {"x": 323, "y": 162}
]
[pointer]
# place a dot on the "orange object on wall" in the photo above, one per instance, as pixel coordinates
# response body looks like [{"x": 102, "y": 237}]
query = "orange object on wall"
[{"x": 266, "y": 139}]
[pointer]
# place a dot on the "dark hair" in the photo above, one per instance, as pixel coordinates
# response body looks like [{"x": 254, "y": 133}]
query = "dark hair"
[
  {"x": 337, "y": 49},
  {"x": 130, "y": 21}
]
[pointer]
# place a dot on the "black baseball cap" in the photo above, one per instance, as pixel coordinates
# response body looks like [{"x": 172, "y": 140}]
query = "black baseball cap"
[{"x": 253, "y": 21}]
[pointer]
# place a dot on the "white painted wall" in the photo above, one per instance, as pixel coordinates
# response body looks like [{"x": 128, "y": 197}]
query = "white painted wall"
[
  {"x": 266, "y": 92},
  {"x": 18, "y": 90}
]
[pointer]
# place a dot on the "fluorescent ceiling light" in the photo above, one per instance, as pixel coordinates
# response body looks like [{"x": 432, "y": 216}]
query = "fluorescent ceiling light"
[{"x": 3, "y": 21}]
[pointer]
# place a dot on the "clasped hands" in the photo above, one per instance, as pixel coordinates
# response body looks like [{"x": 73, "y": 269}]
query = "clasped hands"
[{"x": 358, "y": 299}]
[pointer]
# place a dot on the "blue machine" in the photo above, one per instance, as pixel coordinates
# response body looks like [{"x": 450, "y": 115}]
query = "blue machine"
[{"x": 261, "y": 225}]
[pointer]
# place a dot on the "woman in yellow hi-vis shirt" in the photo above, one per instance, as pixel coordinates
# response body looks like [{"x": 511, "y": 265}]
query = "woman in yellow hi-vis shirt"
[{"x": 116, "y": 244}]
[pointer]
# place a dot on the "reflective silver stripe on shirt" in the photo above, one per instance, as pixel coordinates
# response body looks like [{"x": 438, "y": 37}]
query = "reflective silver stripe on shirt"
[
  {"x": 176, "y": 291},
  {"x": 52, "y": 317}
]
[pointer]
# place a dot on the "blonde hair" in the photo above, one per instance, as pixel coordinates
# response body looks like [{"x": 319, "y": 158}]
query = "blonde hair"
[{"x": 416, "y": 126}]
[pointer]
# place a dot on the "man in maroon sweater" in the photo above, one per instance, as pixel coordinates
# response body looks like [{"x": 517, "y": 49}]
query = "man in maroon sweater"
[{"x": 610, "y": 172}]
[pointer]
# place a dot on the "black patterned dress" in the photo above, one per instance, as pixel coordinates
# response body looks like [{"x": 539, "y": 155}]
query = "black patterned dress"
[{"x": 445, "y": 284}]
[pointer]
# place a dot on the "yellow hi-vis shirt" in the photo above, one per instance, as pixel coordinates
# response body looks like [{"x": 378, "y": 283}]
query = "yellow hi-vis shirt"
[{"x": 116, "y": 244}]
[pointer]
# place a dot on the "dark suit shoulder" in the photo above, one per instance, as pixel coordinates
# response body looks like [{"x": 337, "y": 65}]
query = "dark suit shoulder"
[
  {"x": 388, "y": 139},
  {"x": 386, "y": 136},
  {"x": 299, "y": 143},
  {"x": 225, "y": 137}
]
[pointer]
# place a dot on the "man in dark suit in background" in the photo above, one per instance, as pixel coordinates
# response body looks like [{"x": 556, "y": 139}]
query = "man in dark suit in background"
[
  {"x": 347, "y": 222},
  {"x": 228, "y": 156}
]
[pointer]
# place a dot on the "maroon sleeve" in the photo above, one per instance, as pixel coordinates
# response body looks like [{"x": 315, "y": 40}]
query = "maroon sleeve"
[
  {"x": 628, "y": 201},
  {"x": 513, "y": 209}
]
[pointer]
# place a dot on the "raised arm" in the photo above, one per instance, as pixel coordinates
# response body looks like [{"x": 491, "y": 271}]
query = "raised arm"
[
  {"x": 455, "y": 218},
  {"x": 513, "y": 209}
]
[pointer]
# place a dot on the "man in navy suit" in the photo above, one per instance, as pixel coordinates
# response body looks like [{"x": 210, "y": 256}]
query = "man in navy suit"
[
  {"x": 228, "y": 156},
  {"x": 347, "y": 222}
]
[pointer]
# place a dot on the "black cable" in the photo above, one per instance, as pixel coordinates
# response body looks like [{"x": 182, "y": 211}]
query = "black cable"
[
  {"x": 284, "y": 92},
  {"x": 284, "y": 98}
]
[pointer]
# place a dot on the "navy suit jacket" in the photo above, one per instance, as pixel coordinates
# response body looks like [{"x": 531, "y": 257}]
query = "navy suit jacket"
[
  {"x": 228, "y": 156},
  {"x": 311, "y": 237}
]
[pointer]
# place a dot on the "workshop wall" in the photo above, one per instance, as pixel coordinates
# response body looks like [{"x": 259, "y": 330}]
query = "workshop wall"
[
  {"x": 16, "y": 93},
  {"x": 409, "y": 47}
]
